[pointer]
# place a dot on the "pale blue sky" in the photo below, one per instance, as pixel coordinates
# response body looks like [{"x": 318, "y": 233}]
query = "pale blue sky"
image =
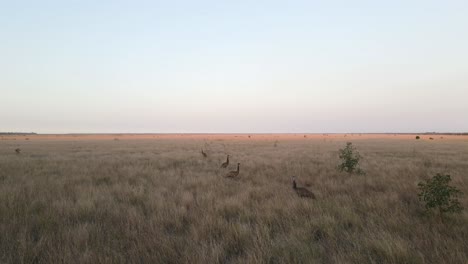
[{"x": 233, "y": 66}]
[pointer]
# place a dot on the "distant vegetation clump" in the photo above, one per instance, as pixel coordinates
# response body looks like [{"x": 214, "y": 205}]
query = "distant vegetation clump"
[
  {"x": 437, "y": 194},
  {"x": 417, "y": 137},
  {"x": 18, "y": 133},
  {"x": 350, "y": 158}
]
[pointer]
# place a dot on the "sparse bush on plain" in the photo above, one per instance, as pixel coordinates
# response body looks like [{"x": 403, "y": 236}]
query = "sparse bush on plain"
[
  {"x": 417, "y": 137},
  {"x": 350, "y": 159},
  {"x": 437, "y": 194}
]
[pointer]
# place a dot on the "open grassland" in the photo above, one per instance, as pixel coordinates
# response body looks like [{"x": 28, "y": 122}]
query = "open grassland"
[{"x": 155, "y": 199}]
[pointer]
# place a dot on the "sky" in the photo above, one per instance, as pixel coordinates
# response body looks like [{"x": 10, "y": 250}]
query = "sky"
[{"x": 233, "y": 66}]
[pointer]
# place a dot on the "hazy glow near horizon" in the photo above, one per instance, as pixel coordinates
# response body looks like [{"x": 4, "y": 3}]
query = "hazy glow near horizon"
[{"x": 238, "y": 66}]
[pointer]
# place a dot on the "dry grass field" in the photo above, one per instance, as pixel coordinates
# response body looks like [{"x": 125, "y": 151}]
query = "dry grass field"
[{"x": 155, "y": 199}]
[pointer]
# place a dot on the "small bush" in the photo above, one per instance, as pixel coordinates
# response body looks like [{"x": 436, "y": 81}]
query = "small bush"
[
  {"x": 350, "y": 159},
  {"x": 417, "y": 137},
  {"x": 436, "y": 193}
]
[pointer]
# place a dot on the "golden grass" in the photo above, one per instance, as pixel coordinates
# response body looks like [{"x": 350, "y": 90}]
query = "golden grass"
[{"x": 155, "y": 199}]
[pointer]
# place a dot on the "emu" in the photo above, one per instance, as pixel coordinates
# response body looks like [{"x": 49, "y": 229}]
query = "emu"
[
  {"x": 225, "y": 164},
  {"x": 204, "y": 154},
  {"x": 18, "y": 151},
  {"x": 301, "y": 191},
  {"x": 233, "y": 174}
]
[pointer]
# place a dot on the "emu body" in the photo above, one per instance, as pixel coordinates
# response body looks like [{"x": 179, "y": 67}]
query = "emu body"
[
  {"x": 301, "y": 191},
  {"x": 233, "y": 174},
  {"x": 225, "y": 164}
]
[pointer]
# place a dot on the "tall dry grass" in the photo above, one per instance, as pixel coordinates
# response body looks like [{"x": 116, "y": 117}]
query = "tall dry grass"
[{"x": 159, "y": 201}]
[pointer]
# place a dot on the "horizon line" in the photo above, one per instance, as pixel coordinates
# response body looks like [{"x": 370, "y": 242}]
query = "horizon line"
[{"x": 230, "y": 133}]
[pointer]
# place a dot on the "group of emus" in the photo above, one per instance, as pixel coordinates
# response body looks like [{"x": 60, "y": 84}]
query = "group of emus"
[{"x": 301, "y": 191}]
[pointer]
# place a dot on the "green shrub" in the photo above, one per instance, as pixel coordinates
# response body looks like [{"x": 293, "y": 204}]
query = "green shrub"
[
  {"x": 417, "y": 137},
  {"x": 350, "y": 159},
  {"x": 436, "y": 193}
]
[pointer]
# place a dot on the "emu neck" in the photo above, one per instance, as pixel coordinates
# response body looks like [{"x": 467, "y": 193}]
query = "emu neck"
[
  {"x": 237, "y": 167},
  {"x": 294, "y": 185}
]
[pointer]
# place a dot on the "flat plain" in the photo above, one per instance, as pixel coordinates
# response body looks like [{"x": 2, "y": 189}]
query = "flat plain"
[{"x": 154, "y": 198}]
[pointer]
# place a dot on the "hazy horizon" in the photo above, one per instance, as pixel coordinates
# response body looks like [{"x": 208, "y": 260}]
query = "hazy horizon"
[
  {"x": 235, "y": 133},
  {"x": 211, "y": 67}
]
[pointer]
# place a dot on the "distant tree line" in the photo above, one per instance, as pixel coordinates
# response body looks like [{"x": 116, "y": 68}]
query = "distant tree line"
[
  {"x": 17, "y": 133},
  {"x": 455, "y": 134}
]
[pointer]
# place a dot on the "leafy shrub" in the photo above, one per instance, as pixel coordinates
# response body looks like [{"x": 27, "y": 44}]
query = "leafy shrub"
[
  {"x": 438, "y": 194},
  {"x": 350, "y": 159},
  {"x": 417, "y": 137}
]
